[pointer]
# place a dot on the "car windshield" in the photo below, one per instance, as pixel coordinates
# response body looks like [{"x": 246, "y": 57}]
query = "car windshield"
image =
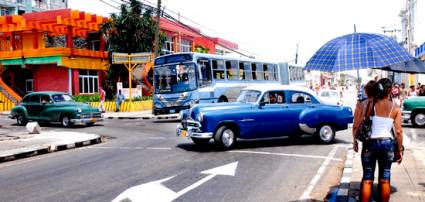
[
  {"x": 175, "y": 78},
  {"x": 62, "y": 98},
  {"x": 250, "y": 96}
]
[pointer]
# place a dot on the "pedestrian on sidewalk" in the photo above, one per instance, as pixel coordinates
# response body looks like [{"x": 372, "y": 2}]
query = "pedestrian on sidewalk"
[
  {"x": 381, "y": 147},
  {"x": 102, "y": 99},
  {"x": 120, "y": 99}
]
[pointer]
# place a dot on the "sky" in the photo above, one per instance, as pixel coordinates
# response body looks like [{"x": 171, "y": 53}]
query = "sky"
[{"x": 271, "y": 29}]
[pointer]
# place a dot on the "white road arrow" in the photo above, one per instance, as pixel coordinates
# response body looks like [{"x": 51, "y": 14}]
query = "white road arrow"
[{"x": 155, "y": 191}]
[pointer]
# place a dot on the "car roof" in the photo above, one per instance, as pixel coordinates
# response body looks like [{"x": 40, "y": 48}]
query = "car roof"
[{"x": 45, "y": 93}]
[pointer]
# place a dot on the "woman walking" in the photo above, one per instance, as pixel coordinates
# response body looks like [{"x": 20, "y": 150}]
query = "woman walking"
[{"x": 380, "y": 148}]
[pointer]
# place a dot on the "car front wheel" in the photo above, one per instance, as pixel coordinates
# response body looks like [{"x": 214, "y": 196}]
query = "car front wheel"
[
  {"x": 225, "y": 137},
  {"x": 21, "y": 120},
  {"x": 418, "y": 119},
  {"x": 325, "y": 133},
  {"x": 65, "y": 121}
]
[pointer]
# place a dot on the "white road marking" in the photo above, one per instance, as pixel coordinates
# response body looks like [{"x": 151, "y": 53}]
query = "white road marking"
[
  {"x": 286, "y": 154},
  {"x": 155, "y": 191},
  {"x": 157, "y": 138},
  {"x": 159, "y": 148},
  {"x": 306, "y": 194},
  {"x": 132, "y": 148}
]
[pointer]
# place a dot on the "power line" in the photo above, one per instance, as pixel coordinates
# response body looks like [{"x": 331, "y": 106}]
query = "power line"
[{"x": 110, "y": 5}]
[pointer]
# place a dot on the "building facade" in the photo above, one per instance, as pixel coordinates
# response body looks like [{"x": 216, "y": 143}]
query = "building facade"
[
  {"x": 19, "y": 7},
  {"x": 55, "y": 50}
]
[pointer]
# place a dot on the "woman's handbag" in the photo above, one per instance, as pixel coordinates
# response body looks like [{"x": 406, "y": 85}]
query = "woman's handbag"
[{"x": 365, "y": 127}]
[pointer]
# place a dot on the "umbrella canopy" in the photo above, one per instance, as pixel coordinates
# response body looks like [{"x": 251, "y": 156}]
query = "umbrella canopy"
[
  {"x": 412, "y": 66},
  {"x": 357, "y": 51}
]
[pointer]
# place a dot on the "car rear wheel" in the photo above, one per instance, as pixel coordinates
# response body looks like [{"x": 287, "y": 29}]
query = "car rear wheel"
[
  {"x": 200, "y": 142},
  {"x": 418, "y": 119},
  {"x": 225, "y": 137},
  {"x": 21, "y": 120},
  {"x": 65, "y": 121},
  {"x": 325, "y": 133}
]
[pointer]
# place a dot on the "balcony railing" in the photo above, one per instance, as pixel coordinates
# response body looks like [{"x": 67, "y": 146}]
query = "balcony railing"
[{"x": 56, "y": 51}]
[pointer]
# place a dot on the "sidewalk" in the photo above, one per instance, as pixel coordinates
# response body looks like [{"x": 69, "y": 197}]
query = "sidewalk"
[
  {"x": 407, "y": 178},
  {"x": 20, "y": 144}
]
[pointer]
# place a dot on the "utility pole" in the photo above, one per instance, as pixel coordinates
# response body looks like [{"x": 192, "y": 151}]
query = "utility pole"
[{"x": 158, "y": 19}]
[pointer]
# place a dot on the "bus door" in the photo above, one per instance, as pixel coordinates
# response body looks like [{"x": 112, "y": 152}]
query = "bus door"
[{"x": 204, "y": 77}]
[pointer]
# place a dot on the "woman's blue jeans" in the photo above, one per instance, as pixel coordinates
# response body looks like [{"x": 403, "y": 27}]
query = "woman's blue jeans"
[{"x": 381, "y": 151}]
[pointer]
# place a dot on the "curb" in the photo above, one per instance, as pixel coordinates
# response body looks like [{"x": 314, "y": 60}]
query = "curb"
[
  {"x": 145, "y": 117},
  {"x": 344, "y": 184},
  {"x": 38, "y": 150}
]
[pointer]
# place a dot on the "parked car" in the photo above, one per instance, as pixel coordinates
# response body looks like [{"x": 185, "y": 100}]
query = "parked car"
[
  {"x": 330, "y": 97},
  {"x": 264, "y": 111},
  {"x": 54, "y": 107},
  {"x": 413, "y": 110}
]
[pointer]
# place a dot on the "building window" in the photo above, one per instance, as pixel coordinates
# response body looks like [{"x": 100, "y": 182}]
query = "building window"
[
  {"x": 185, "y": 46},
  {"x": 168, "y": 47},
  {"x": 88, "y": 81}
]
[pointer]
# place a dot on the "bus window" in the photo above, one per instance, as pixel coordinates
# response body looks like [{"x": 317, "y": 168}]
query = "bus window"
[
  {"x": 204, "y": 72},
  {"x": 247, "y": 69},
  {"x": 254, "y": 71},
  {"x": 241, "y": 71},
  {"x": 276, "y": 72},
  {"x": 259, "y": 71},
  {"x": 218, "y": 69},
  {"x": 231, "y": 70},
  {"x": 266, "y": 72}
]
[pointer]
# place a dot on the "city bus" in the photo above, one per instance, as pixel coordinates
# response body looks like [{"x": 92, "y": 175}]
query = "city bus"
[{"x": 184, "y": 79}]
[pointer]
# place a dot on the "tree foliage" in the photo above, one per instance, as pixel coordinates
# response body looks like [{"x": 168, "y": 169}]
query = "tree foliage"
[{"x": 131, "y": 30}]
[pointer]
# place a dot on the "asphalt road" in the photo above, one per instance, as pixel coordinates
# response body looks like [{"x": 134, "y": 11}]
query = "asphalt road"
[{"x": 139, "y": 152}]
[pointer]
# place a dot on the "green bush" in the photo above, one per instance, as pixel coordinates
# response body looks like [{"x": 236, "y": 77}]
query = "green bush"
[{"x": 87, "y": 98}]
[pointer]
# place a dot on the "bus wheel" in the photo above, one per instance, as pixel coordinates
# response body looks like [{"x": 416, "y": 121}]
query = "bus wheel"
[{"x": 222, "y": 99}]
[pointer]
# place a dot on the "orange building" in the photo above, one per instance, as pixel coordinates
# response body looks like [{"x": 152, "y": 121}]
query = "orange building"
[{"x": 54, "y": 50}]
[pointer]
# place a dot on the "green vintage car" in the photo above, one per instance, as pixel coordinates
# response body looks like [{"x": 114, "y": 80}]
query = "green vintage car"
[
  {"x": 54, "y": 107},
  {"x": 414, "y": 110}
]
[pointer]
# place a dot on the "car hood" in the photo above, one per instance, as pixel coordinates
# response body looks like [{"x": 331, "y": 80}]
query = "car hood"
[
  {"x": 83, "y": 106},
  {"x": 221, "y": 106}
]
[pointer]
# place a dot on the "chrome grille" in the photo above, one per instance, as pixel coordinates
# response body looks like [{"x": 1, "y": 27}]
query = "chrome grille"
[{"x": 91, "y": 115}]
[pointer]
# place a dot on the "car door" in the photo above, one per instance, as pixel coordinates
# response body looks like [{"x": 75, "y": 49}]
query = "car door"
[
  {"x": 33, "y": 107},
  {"x": 297, "y": 102},
  {"x": 45, "y": 104},
  {"x": 272, "y": 116}
]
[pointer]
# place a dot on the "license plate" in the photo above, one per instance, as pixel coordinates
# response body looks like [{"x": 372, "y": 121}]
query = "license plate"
[
  {"x": 172, "y": 111},
  {"x": 183, "y": 133}
]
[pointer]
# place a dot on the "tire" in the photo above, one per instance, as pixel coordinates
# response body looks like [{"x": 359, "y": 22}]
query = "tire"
[
  {"x": 225, "y": 137},
  {"x": 325, "y": 133},
  {"x": 200, "y": 141},
  {"x": 65, "y": 121},
  {"x": 418, "y": 119},
  {"x": 222, "y": 99},
  {"x": 21, "y": 120}
]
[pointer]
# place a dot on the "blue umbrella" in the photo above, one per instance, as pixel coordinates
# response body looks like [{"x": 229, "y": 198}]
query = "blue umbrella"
[{"x": 357, "y": 51}]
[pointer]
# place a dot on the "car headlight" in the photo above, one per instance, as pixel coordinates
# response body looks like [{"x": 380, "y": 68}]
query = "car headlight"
[
  {"x": 79, "y": 110},
  {"x": 200, "y": 117}
]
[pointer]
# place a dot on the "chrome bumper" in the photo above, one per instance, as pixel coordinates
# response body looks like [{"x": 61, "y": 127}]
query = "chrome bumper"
[
  {"x": 194, "y": 130},
  {"x": 405, "y": 115},
  {"x": 304, "y": 127},
  {"x": 87, "y": 120}
]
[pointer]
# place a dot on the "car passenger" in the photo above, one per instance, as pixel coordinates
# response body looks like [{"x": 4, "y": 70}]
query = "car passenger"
[{"x": 273, "y": 99}]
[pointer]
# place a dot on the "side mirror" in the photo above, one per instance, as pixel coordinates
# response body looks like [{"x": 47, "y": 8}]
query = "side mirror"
[{"x": 307, "y": 99}]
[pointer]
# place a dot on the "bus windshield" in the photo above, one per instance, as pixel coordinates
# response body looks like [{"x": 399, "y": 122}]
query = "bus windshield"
[
  {"x": 250, "y": 96},
  {"x": 175, "y": 78}
]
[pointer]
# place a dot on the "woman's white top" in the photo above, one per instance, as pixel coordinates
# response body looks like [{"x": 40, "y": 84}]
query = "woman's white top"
[{"x": 381, "y": 126}]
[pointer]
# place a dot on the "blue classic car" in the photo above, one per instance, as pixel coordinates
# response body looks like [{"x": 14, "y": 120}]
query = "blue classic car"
[{"x": 264, "y": 111}]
